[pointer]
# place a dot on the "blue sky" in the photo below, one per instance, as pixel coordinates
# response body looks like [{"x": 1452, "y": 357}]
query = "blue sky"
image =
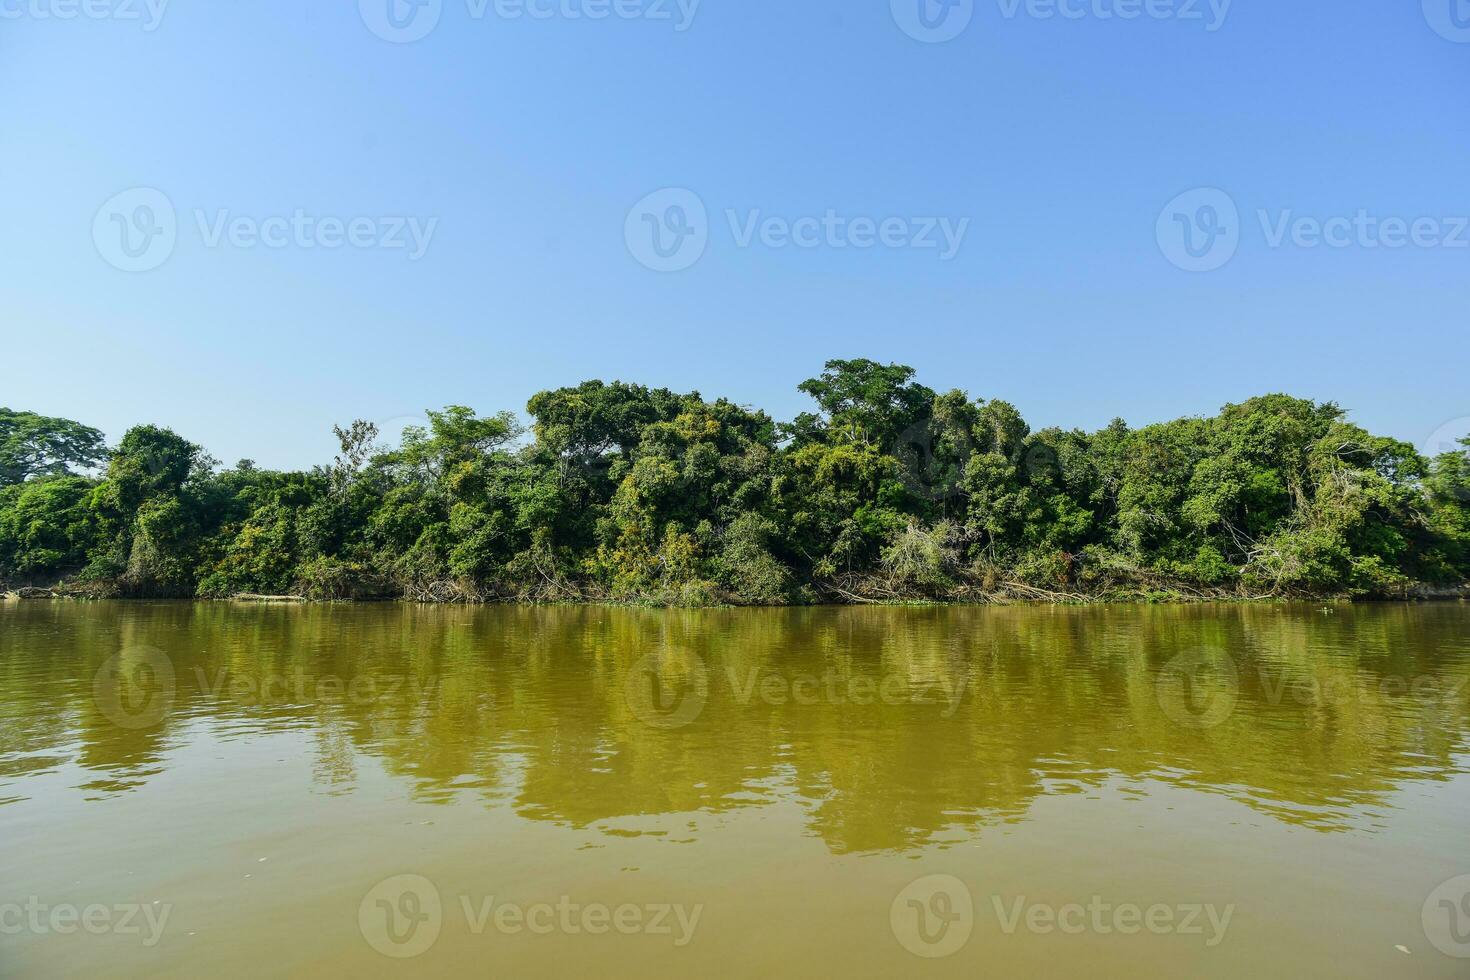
[{"x": 520, "y": 146}]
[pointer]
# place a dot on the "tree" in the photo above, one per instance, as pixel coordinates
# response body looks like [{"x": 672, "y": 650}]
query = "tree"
[
  {"x": 34, "y": 445},
  {"x": 455, "y": 437},
  {"x": 866, "y": 402},
  {"x": 46, "y": 527},
  {"x": 357, "y": 443},
  {"x": 629, "y": 493},
  {"x": 151, "y": 513}
]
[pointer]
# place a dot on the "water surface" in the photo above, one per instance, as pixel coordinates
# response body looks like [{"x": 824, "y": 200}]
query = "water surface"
[{"x": 865, "y": 792}]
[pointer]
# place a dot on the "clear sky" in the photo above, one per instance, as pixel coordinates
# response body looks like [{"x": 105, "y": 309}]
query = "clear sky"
[{"x": 521, "y": 147}]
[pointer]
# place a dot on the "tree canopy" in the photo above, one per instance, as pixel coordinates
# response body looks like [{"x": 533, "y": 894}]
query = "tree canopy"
[
  {"x": 34, "y": 445},
  {"x": 886, "y": 490}
]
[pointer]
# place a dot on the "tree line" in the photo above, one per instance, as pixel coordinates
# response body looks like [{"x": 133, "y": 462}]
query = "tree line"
[{"x": 887, "y": 490}]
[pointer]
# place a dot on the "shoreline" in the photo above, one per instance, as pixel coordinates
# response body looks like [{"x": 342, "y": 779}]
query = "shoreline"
[{"x": 1162, "y": 598}]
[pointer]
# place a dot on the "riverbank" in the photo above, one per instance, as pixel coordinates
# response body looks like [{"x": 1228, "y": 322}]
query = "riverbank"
[
  {"x": 888, "y": 492},
  {"x": 1017, "y": 595}
]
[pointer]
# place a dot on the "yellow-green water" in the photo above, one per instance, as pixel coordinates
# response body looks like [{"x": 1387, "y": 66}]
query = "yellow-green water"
[{"x": 214, "y": 789}]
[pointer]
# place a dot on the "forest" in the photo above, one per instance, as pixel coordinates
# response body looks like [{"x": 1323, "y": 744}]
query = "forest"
[{"x": 885, "y": 491}]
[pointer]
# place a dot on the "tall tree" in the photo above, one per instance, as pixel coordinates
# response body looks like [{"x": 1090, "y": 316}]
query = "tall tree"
[{"x": 34, "y": 445}]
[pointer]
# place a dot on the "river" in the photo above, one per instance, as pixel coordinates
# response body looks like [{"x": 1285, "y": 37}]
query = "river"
[{"x": 1144, "y": 791}]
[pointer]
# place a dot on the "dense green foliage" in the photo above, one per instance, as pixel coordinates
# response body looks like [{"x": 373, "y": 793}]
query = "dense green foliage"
[
  {"x": 33, "y": 445},
  {"x": 888, "y": 490}
]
